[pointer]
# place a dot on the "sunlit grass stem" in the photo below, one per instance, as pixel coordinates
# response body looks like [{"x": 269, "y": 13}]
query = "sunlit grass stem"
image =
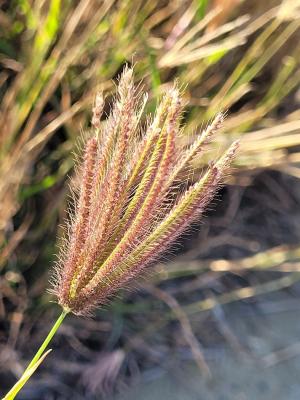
[{"x": 34, "y": 363}]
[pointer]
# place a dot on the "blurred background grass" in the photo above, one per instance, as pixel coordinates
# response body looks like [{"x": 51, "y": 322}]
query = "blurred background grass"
[{"x": 240, "y": 56}]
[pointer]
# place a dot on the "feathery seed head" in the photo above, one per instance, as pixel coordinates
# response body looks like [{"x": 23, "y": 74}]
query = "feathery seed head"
[{"x": 129, "y": 209}]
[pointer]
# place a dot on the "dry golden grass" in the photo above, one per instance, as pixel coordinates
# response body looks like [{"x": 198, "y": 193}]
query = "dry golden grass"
[{"x": 67, "y": 50}]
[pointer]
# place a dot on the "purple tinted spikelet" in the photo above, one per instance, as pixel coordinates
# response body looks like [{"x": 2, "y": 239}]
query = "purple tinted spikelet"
[{"x": 130, "y": 206}]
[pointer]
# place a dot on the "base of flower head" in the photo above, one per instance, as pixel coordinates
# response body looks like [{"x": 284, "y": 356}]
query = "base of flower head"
[{"x": 66, "y": 309}]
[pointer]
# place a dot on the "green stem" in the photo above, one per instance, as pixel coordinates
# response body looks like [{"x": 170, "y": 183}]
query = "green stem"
[
  {"x": 47, "y": 340},
  {"x": 37, "y": 359}
]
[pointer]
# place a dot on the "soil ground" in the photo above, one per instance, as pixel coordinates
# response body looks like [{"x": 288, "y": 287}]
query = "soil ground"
[{"x": 268, "y": 368}]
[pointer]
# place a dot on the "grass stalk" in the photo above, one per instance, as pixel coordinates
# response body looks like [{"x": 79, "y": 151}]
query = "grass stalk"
[{"x": 37, "y": 359}]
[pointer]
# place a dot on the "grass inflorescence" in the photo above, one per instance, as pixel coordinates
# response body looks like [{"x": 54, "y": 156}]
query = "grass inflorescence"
[{"x": 131, "y": 205}]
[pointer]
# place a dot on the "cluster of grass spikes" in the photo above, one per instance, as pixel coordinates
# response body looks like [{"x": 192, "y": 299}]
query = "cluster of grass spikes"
[{"x": 130, "y": 205}]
